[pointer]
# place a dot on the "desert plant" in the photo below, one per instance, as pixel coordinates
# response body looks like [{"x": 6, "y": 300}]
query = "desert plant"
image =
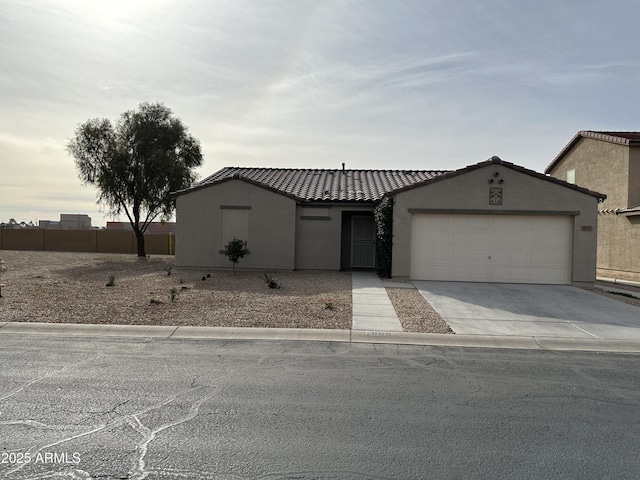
[
  {"x": 329, "y": 305},
  {"x": 270, "y": 281},
  {"x": 112, "y": 281},
  {"x": 235, "y": 250},
  {"x": 173, "y": 294},
  {"x": 168, "y": 270}
]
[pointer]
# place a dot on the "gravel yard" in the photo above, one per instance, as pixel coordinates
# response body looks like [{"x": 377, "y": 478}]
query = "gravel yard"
[
  {"x": 415, "y": 313},
  {"x": 71, "y": 288},
  {"x": 66, "y": 287}
]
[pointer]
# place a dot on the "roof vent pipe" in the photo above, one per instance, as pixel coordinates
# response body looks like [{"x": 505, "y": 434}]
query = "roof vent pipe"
[{"x": 343, "y": 166}]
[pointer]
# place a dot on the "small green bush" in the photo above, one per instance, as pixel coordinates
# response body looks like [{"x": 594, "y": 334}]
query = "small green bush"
[
  {"x": 173, "y": 294},
  {"x": 235, "y": 250},
  {"x": 112, "y": 281}
]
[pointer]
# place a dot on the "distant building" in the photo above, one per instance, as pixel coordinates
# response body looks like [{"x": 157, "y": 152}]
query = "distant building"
[
  {"x": 67, "y": 222},
  {"x": 154, "y": 228},
  {"x": 12, "y": 224}
]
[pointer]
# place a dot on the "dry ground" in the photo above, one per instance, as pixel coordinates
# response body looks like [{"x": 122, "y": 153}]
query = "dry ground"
[
  {"x": 415, "y": 313},
  {"x": 635, "y": 291},
  {"x": 71, "y": 288}
]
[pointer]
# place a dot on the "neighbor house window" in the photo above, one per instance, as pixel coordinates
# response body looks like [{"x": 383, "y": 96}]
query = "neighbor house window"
[
  {"x": 571, "y": 176},
  {"x": 235, "y": 223}
]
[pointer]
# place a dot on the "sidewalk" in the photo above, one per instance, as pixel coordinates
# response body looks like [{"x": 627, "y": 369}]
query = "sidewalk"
[{"x": 372, "y": 308}]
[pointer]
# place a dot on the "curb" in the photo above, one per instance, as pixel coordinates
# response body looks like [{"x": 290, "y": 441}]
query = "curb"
[{"x": 319, "y": 335}]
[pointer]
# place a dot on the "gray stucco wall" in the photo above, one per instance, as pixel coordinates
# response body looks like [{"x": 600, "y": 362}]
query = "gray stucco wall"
[
  {"x": 318, "y": 240},
  {"x": 521, "y": 192},
  {"x": 271, "y": 233}
]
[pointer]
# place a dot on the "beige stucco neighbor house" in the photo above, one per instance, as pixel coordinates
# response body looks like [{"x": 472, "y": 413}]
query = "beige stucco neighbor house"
[
  {"x": 608, "y": 162},
  {"x": 493, "y": 221}
]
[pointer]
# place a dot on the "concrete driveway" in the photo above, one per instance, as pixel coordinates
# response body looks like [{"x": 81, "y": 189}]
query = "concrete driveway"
[{"x": 531, "y": 310}]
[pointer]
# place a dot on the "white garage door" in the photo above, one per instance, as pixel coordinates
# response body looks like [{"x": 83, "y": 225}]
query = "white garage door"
[{"x": 491, "y": 248}]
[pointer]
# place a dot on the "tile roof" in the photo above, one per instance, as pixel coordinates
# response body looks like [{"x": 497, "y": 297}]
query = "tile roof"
[
  {"x": 315, "y": 185},
  {"x": 622, "y": 138}
]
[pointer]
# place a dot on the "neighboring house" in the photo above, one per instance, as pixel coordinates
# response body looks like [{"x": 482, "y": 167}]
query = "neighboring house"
[
  {"x": 608, "y": 162},
  {"x": 493, "y": 221},
  {"x": 67, "y": 222}
]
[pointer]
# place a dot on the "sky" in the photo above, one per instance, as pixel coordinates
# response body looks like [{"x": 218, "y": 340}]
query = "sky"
[{"x": 376, "y": 84}]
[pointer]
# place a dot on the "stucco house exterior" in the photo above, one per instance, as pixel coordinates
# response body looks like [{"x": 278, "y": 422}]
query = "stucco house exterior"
[
  {"x": 493, "y": 221},
  {"x": 608, "y": 162}
]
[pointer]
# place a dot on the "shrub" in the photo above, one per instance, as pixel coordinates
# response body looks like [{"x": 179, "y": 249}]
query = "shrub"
[
  {"x": 384, "y": 236},
  {"x": 112, "y": 281},
  {"x": 235, "y": 250},
  {"x": 173, "y": 294},
  {"x": 328, "y": 305},
  {"x": 270, "y": 281}
]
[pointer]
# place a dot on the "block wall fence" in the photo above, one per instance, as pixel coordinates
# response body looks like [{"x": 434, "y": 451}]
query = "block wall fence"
[{"x": 98, "y": 241}]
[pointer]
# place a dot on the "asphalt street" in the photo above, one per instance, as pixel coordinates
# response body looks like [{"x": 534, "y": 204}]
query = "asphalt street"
[{"x": 110, "y": 408}]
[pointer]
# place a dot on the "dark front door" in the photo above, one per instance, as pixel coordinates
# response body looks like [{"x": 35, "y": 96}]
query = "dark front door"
[{"x": 363, "y": 235}]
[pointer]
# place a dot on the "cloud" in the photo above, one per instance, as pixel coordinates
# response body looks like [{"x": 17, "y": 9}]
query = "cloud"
[{"x": 415, "y": 84}]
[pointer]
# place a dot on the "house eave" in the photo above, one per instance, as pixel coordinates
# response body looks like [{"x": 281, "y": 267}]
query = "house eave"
[{"x": 609, "y": 137}]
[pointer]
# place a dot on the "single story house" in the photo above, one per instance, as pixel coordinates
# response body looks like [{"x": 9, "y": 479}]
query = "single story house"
[
  {"x": 493, "y": 221},
  {"x": 608, "y": 162}
]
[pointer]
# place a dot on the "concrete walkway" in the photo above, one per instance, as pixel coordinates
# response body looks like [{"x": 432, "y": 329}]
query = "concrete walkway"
[{"x": 372, "y": 308}]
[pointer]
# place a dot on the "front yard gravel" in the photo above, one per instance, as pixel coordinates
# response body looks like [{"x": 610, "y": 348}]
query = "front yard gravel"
[
  {"x": 64, "y": 287},
  {"x": 415, "y": 313}
]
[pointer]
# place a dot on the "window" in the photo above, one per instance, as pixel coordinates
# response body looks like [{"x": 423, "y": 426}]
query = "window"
[
  {"x": 571, "y": 176},
  {"x": 235, "y": 223}
]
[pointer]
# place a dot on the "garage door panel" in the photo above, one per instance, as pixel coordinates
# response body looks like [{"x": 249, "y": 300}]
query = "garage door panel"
[
  {"x": 517, "y": 238},
  {"x": 477, "y": 222},
  {"x": 494, "y": 248},
  {"x": 477, "y": 255},
  {"x": 478, "y": 238},
  {"x": 500, "y": 257},
  {"x": 442, "y": 256},
  {"x": 438, "y": 238},
  {"x": 461, "y": 256},
  {"x": 423, "y": 256},
  {"x": 475, "y": 274},
  {"x": 519, "y": 258}
]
